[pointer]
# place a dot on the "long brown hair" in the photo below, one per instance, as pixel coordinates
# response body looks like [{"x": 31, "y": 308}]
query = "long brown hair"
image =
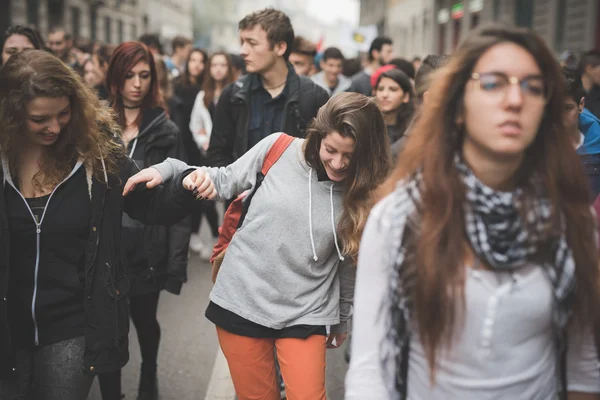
[
  {"x": 210, "y": 84},
  {"x": 440, "y": 253},
  {"x": 357, "y": 116},
  {"x": 36, "y": 73},
  {"x": 123, "y": 59}
]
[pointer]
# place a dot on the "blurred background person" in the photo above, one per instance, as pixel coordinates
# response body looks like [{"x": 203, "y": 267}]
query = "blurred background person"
[
  {"x": 303, "y": 55},
  {"x": 238, "y": 65},
  {"x": 380, "y": 53},
  {"x": 60, "y": 43},
  {"x": 220, "y": 75},
  {"x": 590, "y": 77},
  {"x": 181, "y": 48},
  {"x": 331, "y": 78},
  {"x": 18, "y": 38},
  {"x": 395, "y": 98},
  {"x": 95, "y": 69}
]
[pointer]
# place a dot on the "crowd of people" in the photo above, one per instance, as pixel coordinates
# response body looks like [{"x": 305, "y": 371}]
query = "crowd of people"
[{"x": 443, "y": 207}]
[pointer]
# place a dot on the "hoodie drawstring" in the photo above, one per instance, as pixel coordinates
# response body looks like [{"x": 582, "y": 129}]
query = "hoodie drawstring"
[
  {"x": 312, "y": 239},
  {"x": 133, "y": 147},
  {"x": 333, "y": 223}
]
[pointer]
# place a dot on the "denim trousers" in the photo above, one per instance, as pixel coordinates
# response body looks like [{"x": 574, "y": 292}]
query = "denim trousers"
[{"x": 50, "y": 372}]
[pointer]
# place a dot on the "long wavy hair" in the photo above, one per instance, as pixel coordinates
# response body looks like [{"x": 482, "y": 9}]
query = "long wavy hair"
[
  {"x": 35, "y": 73},
  {"x": 439, "y": 253},
  {"x": 123, "y": 59},
  {"x": 210, "y": 84},
  {"x": 357, "y": 116}
]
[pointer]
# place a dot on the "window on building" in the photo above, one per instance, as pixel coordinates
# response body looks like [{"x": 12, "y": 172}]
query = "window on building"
[
  {"x": 474, "y": 20},
  {"x": 442, "y": 38},
  {"x": 56, "y": 12},
  {"x": 5, "y": 15},
  {"x": 598, "y": 28},
  {"x": 561, "y": 21},
  {"x": 93, "y": 23},
  {"x": 425, "y": 29},
  {"x": 33, "y": 14},
  {"x": 75, "y": 22},
  {"x": 496, "y": 10},
  {"x": 456, "y": 32},
  {"x": 524, "y": 13},
  {"x": 134, "y": 34},
  {"x": 120, "y": 31},
  {"x": 107, "y": 30}
]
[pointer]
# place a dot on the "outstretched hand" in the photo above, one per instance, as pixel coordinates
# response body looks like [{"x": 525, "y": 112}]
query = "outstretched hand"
[
  {"x": 150, "y": 176},
  {"x": 199, "y": 183}
]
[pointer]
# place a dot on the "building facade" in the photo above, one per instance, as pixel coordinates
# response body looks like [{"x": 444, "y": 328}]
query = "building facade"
[
  {"x": 107, "y": 21},
  {"x": 420, "y": 27}
]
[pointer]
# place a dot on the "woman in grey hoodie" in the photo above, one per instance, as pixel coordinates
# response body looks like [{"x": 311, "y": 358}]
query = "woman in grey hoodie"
[{"x": 286, "y": 277}]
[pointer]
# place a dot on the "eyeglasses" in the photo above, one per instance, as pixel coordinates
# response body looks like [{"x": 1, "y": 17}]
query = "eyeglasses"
[{"x": 498, "y": 83}]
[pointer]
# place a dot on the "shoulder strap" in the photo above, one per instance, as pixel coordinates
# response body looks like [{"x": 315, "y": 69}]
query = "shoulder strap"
[{"x": 275, "y": 152}]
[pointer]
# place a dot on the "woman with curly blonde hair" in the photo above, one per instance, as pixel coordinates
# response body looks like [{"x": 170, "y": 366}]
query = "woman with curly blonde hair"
[
  {"x": 286, "y": 276},
  {"x": 63, "y": 290}
]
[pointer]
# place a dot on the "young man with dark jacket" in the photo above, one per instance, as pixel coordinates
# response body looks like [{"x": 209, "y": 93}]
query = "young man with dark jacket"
[{"x": 270, "y": 98}]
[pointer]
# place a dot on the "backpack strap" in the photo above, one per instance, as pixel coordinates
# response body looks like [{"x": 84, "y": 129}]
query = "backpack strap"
[{"x": 275, "y": 152}]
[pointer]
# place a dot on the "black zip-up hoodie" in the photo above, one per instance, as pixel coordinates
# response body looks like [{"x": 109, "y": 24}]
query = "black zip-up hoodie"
[
  {"x": 160, "y": 254},
  {"x": 105, "y": 284}
]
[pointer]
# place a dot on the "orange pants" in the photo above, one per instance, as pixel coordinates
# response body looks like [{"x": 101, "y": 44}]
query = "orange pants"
[{"x": 252, "y": 366}]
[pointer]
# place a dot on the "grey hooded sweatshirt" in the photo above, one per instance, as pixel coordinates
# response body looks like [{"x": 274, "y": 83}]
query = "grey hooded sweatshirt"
[{"x": 283, "y": 266}]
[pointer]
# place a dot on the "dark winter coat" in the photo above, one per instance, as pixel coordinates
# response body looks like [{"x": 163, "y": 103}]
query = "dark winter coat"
[
  {"x": 106, "y": 283},
  {"x": 229, "y": 137},
  {"x": 164, "y": 248}
]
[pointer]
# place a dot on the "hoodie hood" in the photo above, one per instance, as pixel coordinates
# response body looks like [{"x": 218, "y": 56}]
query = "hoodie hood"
[
  {"x": 342, "y": 86},
  {"x": 589, "y": 125}
]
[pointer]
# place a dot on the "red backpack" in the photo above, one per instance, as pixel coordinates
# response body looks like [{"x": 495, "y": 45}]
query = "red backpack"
[{"x": 236, "y": 212}]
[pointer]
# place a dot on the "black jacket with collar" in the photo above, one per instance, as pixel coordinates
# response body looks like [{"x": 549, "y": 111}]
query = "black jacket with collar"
[
  {"x": 229, "y": 137},
  {"x": 106, "y": 282},
  {"x": 166, "y": 247}
]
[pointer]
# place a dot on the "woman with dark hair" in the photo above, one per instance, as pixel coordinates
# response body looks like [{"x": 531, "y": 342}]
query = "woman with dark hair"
[
  {"x": 18, "y": 38},
  {"x": 156, "y": 256},
  {"x": 220, "y": 74},
  {"x": 286, "y": 277},
  {"x": 185, "y": 90},
  {"x": 478, "y": 272},
  {"x": 395, "y": 97},
  {"x": 63, "y": 288}
]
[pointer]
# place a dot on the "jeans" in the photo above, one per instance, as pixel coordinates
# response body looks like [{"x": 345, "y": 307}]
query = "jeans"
[
  {"x": 591, "y": 165},
  {"x": 50, "y": 372}
]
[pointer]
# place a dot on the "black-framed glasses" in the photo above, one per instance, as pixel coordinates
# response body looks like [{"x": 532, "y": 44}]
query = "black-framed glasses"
[{"x": 532, "y": 86}]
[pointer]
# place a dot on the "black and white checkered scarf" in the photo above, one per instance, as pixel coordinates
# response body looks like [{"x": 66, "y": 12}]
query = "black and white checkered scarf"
[{"x": 498, "y": 235}]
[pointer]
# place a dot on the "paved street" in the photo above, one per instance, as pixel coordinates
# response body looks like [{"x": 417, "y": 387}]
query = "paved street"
[{"x": 188, "y": 356}]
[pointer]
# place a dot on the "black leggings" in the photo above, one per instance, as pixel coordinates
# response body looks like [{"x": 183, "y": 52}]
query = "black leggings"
[
  {"x": 142, "y": 309},
  {"x": 209, "y": 209}
]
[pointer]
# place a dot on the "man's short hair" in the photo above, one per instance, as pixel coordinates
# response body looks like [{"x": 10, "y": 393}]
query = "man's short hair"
[
  {"x": 332, "y": 53},
  {"x": 429, "y": 64},
  {"x": 56, "y": 29},
  {"x": 304, "y": 47},
  {"x": 179, "y": 41},
  {"x": 151, "y": 40},
  {"x": 405, "y": 66},
  {"x": 416, "y": 58},
  {"x": 377, "y": 44},
  {"x": 589, "y": 58},
  {"x": 573, "y": 85},
  {"x": 277, "y": 25}
]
